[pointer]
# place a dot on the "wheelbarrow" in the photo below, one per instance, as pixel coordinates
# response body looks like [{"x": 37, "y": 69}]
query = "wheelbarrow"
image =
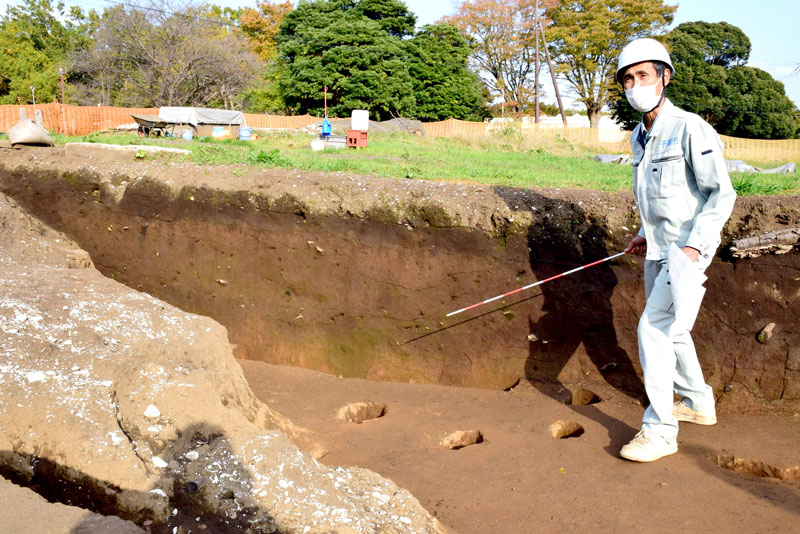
[{"x": 153, "y": 124}]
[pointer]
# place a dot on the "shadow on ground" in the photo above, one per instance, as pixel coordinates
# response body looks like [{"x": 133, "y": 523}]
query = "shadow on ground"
[
  {"x": 193, "y": 501},
  {"x": 576, "y": 309}
]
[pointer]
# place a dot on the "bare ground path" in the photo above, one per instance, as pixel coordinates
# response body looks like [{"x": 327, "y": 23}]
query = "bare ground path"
[{"x": 522, "y": 479}]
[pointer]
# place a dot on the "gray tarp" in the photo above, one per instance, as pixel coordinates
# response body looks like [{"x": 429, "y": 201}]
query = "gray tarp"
[
  {"x": 622, "y": 159},
  {"x": 195, "y": 116},
  {"x": 737, "y": 165},
  {"x": 733, "y": 165},
  {"x": 400, "y": 124}
]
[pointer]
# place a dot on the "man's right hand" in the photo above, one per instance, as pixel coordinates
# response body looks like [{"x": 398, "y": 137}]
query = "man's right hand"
[{"x": 638, "y": 245}]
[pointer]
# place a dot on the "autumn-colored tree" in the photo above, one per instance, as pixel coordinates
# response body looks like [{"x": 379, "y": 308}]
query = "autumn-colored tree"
[
  {"x": 502, "y": 36},
  {"x": 262, "y": 26},
  {"x": 587, "y": 36}
]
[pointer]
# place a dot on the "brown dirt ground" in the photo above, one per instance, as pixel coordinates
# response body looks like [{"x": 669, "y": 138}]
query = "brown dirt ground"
[{"x": 521, "y": 479}]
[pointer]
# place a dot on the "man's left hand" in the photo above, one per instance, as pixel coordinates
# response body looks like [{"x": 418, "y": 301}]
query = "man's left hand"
[{"x": 693, "y": 253}]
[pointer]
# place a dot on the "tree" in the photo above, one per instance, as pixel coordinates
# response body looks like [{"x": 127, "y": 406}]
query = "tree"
[
  {"x": 758, "y": 107},
  {"x": 392, "y": 15},
  {"x": 355, "y": 48},
  {"x": 157, "y": 56},
  {"x": 502, "y": 36},
  {"x": 712, "y": 81},
  {"x": 262, "y": 26},
  {"x": 35, "y": 39},
  {"x": 587, "y": 36},
  {"x": 443, "y": 86}
]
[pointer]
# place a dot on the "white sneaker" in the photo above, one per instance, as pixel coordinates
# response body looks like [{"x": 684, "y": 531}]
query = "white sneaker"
[
  {"x": 648, "y": 447},
  {"x": 682, "y": 412}
]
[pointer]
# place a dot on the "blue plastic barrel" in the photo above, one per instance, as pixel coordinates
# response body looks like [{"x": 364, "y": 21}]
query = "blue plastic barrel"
[
  {"x": 187, "y": 134},
  {"x": 245, "y": 132}
]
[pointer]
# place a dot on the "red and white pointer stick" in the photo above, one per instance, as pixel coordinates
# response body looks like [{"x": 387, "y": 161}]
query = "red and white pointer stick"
[{"x": 540, "y": 282}]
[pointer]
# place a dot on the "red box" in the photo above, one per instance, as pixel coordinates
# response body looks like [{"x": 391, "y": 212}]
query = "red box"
[{"x": 356, "y": 138}]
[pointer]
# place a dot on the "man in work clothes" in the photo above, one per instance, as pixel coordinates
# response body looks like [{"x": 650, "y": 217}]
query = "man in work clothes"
[{"x": 685, "y": 197}]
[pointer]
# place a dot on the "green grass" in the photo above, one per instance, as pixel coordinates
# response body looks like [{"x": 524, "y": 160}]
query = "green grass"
[
  {"x": 755, "y": 184},
  {"x": 508, "y": 160}
]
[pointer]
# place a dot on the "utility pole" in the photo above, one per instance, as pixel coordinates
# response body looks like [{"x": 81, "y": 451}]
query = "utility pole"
[
  {"x": 536, "y": 82},
  {"x": 553, "y": 76},
  {"x": 61, "y": 73}
]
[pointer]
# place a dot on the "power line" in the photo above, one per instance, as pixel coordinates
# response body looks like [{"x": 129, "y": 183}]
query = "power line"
[{"x": 220, "y": 23}]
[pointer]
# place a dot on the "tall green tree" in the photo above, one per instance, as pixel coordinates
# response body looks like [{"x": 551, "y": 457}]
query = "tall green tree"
[
  {"x": 702, "y": 53},
  {"x": 712, "y": 80},
  {"x": 587, "y": 36},
  {"x": 36, "y": 38},
  {"x": 355, "y": 48},
  {"x": 757, "y": 107},
  {"x": 443, "y": 86}
]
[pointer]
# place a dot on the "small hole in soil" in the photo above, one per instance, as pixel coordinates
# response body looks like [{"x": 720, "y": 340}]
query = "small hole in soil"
[
  {"x": 582, "y": 397},
  {"x": 757, "y": 469},
  {"x": 566, "y": 429}
]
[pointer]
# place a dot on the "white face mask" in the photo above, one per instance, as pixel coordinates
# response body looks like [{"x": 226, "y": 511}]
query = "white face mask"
[{"x": 644, "y": 98}]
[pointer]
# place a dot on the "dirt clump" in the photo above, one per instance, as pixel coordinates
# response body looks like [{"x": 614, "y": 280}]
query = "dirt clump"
[{"x": 358, "y": 412}]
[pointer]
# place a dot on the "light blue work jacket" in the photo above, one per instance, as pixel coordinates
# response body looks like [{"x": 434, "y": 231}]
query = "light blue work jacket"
[{"x": 681, "y": 183}]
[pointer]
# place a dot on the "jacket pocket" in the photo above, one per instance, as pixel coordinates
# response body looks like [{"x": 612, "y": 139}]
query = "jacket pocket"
[{"x": 667, "y": 178}]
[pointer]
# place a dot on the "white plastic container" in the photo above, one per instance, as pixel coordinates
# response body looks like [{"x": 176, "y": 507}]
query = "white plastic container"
[{"x": 360, "y": 120}]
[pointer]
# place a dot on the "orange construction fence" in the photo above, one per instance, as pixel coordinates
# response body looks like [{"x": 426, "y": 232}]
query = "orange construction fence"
[
  {"x": 82, "y": 120},
  {"x": 73, "y": 120}
]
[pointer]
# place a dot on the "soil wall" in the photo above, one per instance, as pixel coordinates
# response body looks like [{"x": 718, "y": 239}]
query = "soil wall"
[{"x": 354, "y": 275}]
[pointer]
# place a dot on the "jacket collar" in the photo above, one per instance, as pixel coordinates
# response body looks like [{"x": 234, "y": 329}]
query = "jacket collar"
[{"x": 658, "y": 124}]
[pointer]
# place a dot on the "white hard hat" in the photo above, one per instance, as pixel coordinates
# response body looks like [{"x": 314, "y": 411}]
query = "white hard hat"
[{"x": 640, "y": 50}]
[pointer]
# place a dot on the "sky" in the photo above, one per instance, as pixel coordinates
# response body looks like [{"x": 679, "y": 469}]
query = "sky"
[{"x": 771, "y": 26}]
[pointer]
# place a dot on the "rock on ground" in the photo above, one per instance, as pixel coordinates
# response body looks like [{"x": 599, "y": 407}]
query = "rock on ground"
[
  {"x": 115, "y": 401},
  {"x": 461, "y": 438},
  {"x": 358, "y": 412}
]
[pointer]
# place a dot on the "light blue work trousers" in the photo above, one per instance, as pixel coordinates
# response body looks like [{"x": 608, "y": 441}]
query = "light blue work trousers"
[{"x": 667, "y": 355}]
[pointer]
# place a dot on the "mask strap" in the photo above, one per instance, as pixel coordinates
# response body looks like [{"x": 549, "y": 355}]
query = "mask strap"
[{"x": 663, "y": 93}]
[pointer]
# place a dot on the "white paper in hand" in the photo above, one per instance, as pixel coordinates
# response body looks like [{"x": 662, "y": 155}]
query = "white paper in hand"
[{"x": 686, "y": 283}]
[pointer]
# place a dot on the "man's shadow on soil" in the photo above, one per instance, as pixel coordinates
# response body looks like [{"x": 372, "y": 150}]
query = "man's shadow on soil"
[
  {"x": 194, "y": 500},
  {"x": 577, "y": 308}
]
